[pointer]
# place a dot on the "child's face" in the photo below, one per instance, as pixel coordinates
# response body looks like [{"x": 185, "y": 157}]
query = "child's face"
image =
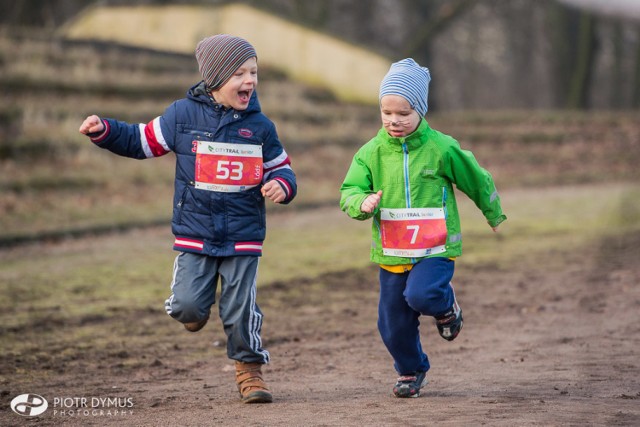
[
  {"x": 236, "y": 92},
  {"x": 398, "y": 118}
]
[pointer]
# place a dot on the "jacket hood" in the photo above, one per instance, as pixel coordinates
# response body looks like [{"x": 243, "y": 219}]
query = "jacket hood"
[{"x": 198, "y": 93}]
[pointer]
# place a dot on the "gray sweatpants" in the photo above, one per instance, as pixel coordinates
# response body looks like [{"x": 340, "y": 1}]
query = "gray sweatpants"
[{"x": 195, "y": 280}]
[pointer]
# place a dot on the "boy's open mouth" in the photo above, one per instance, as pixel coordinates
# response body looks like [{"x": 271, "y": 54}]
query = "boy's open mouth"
[{"x": 244, "y": 95}]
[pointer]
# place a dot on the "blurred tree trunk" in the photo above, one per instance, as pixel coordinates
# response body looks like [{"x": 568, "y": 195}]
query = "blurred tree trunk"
[
  {"x": 583, "y": 67},
  {"x": 444, "y": 16},
  {"x": 559, "y": 19},
  {"x": 315, "y": 13},
  {"x": 419, "y": 46},
  {"x": 635, "y": 99},
  {"x": 616, "y": 101},
  {"x": 573, "y": 53}
]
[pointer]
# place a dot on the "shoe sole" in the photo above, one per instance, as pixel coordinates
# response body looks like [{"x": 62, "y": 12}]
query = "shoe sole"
[
  {"x": 450, "y": 336},
  {"x": 258, "y": 397},
  {"x": 408, "y": 395}
]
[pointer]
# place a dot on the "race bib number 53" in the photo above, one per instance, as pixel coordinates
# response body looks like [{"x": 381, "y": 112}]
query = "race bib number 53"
[
  {"x": 413, "y": 232},
  {"x": 227, "y": 167}
]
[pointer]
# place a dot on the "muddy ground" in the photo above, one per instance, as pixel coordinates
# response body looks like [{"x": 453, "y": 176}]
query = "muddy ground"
[{"x": 548, "y": 340}]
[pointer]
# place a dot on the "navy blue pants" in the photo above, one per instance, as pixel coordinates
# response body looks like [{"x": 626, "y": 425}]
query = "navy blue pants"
[{"x": 425, "y": 290}]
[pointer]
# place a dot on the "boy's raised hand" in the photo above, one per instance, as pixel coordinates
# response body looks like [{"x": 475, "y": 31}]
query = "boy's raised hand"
[
  {"x": 273, "y": 191},
  {"x": 371, "y": 202},
  {"x": 91, "y": 124}
]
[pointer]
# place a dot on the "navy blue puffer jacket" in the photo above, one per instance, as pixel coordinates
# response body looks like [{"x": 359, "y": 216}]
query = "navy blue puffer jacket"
[{"x": 208, "y": 218}]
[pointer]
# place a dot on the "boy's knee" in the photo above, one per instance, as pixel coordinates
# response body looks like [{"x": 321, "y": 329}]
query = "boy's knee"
[
  {"x": 425, "y": 301},
  {"x": 416, "y": 301},
  {"x": 186, "y": 311}
]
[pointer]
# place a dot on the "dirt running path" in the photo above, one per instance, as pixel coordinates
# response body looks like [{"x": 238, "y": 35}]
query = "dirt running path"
[{"x": 548, "y": 341}]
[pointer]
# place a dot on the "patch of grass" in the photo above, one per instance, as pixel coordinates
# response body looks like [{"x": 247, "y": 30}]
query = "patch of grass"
[
  {"x": 311, "y": 243},
  {"x": 555, "y": 219}
]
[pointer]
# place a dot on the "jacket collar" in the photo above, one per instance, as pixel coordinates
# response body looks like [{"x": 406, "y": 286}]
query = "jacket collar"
[
  {"x": 412, "y": 141},
  {"x": 198, "y": 93}
]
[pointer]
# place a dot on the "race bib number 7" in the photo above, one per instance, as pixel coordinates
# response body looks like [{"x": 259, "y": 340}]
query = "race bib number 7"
[
  {"x": 228, "y": 167},
  {"x": 413, "y": 232}
]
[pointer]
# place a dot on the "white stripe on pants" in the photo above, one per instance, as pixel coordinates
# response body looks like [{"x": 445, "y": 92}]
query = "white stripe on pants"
[{"x": 194, "y": 285}]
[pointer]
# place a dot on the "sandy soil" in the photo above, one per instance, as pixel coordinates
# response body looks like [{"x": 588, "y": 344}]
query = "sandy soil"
[{"x": 547, "y": 341}]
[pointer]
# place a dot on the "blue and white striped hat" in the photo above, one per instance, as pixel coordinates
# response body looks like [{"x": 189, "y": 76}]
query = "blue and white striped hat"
[{"x": 409, "y": 80}]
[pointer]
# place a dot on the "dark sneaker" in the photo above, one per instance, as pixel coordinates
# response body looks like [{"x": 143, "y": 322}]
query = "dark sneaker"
[
  {"x": 450, "y": 323},
  {"x": 410, "y": 385}
]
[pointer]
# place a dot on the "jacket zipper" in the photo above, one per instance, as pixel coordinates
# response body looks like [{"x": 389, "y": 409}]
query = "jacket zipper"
[
  {"x": 183, "y": 196},
  {"x": 407, "y": 183},
  {"x": 444, "y": 201},
  {"x": 407, "y": 186},
  {"x": 198, "y": 134}
]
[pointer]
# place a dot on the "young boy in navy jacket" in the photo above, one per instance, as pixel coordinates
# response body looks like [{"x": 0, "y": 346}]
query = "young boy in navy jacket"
[{"x": 228, "y": 161}]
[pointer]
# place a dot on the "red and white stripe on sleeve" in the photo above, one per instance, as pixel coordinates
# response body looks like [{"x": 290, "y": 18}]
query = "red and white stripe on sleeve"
[
  {"x": 152, "y": 140},
  {"x": 280, "y": 162}
]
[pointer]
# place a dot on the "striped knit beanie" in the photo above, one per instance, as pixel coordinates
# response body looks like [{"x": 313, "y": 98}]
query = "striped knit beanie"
[
  {"x": 220, "y": 56},
  {"x": 409, "y": 80}
]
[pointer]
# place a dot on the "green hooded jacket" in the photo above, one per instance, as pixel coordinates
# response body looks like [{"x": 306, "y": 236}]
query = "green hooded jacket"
[{"x": 417, "y": 171}]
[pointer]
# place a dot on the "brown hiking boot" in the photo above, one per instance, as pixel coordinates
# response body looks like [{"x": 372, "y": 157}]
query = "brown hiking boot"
[
  {"x": 251, "y": 386},
  {"x": 196, "y": 326}
]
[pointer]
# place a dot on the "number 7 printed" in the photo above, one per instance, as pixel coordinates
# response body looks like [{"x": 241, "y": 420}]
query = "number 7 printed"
[{"x": 416, "y": 230}]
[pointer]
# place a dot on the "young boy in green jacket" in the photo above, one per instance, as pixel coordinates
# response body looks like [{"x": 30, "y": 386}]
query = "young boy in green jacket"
[{"x": 403, "y": 178}]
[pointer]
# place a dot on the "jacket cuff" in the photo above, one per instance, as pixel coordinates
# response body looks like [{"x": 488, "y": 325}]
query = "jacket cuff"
[
  {"x": 352, "y": 207},
  {"x": 288, "y": 191},
  {"x": 98, "y": 137},
  {"x": 497, "y": 221}
]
